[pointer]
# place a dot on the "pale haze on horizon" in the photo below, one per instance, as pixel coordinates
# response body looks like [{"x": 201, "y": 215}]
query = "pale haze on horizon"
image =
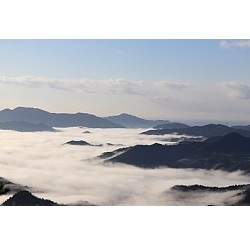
[{"x": 167, "y": 79}]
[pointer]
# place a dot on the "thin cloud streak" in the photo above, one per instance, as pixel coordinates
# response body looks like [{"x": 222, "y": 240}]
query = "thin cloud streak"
[
  {"x": 116, "y": 86},
  {"x": 237, "y": 44}
]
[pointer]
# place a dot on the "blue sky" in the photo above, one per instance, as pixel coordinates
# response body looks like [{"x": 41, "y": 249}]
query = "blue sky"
[
  {"x": 184, "y": 60},
  {"x": 170, "y": 79}
]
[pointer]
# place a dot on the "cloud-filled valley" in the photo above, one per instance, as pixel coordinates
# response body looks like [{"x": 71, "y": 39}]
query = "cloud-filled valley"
[{"x": 69, "y": 173}]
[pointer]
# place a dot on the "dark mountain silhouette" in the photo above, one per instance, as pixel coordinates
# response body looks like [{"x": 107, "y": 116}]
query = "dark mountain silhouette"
[
  {"x": 201, "y": 188},
  {"x": 22, "y": 197},
  {"x": 183, "y": 139},
  {"x": 79, "y": 143},
  {"x": 242, "y": 195},
  {"x": 3, "y": 188},
  {"x": 232, "y": 143},
  {"x": 230, "y": 152},
  {"x": 245, "y": 200},
  {"x": 84, "y": 143},
  {"x": 25, "y": 198},
  {"x": 116, "y": 152},
  {"x": 36, "y": 116},
  {"x": 209, "y": 130},
  {"x": 242, "y": 127},
  {"x": 131, "y": 121},
  {"x": 172, "y": 125},
  {"x": 22, "y": 126},
  {"x": 7, "y": 186}
]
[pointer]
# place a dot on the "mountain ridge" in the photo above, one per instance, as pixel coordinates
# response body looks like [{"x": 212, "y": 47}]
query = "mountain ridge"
[
  {"x": 172, "y": 125},
  {"x": 36, "y": 116},
  {"x": 132, "y": 121},
  {"x": 208, "y": 130},
  {"x": 230, "y": 153},
  {"x": 25, "y": 198},
  {"x": 22, "y": 126}
]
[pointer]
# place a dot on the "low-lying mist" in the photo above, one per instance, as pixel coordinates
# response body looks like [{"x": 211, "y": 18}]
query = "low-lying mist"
[{"x": 67, "y": 173}]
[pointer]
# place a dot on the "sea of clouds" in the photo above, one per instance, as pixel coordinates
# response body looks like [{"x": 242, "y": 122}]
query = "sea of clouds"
[{"x": 68, "y": 174}]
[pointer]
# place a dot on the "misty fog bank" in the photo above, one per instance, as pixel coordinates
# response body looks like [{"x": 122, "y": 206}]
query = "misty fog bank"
[{"x": 70, "y": 173}]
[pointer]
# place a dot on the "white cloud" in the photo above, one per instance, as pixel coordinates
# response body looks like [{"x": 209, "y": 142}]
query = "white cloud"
[
  {"x": 238, "y": 44},
  {"x": 224, "y": 44},
  {"x": 65, "y": 173},
  {"x": 237, "y": 90},
  {"x": 106, "y": 86},
  {"x": 243, "y": 44}
]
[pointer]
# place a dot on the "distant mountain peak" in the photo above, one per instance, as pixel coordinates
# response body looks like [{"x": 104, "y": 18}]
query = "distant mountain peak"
[
  {"x": 233, "y": 135},
  {"x": 25, "y": 198},
  {"x": 27, "y": 108},
  {"x": 128, "y": 115},
  {"x": 132, "y": 121}
]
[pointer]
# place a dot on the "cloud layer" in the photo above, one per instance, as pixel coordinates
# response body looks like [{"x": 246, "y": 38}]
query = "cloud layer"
[
  {"x": 222, "y": 101},
  {"x": 67, "y": 173},
  {"x": 237, "y": 90},
  {"x": 106, "y": 86}
]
